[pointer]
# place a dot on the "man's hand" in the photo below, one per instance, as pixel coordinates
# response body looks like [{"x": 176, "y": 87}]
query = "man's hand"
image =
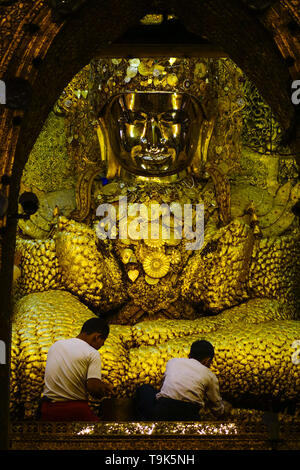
[
  {"x": 107, "y": 388},
  {"x": 98, "y": 389},
  {"x": 227, "y": 407}
]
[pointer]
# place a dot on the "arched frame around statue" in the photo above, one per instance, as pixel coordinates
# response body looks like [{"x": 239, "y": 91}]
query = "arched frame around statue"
[{"x": 57, "y": 48}]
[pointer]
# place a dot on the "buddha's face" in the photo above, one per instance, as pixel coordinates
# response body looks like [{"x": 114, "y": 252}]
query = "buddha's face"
[{"x": 154, "y": 133}]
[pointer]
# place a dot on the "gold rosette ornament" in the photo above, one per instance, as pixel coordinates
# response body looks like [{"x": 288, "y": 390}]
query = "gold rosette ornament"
[
  {"x": 175, "y": 257},
  {"x": 156, "y": 265},
  {"x": 162, "y": 233},
  {"x": 154, "y": 242}
]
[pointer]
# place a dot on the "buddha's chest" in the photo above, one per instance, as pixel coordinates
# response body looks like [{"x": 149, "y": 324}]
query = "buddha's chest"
[{"x": 153, "y": 229}]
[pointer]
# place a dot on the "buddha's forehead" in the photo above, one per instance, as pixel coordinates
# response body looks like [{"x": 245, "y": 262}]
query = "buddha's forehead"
[{"x": 153, "y": 101}]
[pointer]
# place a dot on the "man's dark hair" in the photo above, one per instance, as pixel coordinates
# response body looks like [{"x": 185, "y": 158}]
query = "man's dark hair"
[
  {"x": 95, "y": 325},
  {"x": 201, "y": 349}
]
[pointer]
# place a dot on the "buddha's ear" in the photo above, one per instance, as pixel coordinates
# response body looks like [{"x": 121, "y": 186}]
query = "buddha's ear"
[
  {"x": 196, "y": 163},
  {"x": 106, "y": 152},
  {"x": 200, "y": 156}
]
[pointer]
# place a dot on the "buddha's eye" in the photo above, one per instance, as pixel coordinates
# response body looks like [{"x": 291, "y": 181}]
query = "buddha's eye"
[
  {"x": 139, "y": 116},
  {"x": 169, "y": 117},
  {"x": 136, "y": 117},
  {"x": 174, "y": 117},
  {"x": 130, "y": 117}
]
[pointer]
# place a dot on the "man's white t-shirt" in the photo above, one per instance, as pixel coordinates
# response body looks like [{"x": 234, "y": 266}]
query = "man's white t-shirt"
[
  {"x": 189, "y": 380},
  {"x": 70, "y": 362}
]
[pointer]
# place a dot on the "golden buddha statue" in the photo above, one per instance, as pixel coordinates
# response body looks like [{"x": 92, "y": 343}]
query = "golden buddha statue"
[
  {"x": 150, "y": 140},
  {"x": 154, "y": 129}
]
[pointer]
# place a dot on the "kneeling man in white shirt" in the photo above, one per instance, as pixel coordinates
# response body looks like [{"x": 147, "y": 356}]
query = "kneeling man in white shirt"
[
  {"x": 73, "y": 371},
  {"x": 188, "y": 386}
]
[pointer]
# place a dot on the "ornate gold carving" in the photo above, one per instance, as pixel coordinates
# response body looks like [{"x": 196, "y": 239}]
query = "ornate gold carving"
[
  {"x": 222, "y": 189},
  {"x": 156, "y": 265},
  {"x": 83, "y": 193}
]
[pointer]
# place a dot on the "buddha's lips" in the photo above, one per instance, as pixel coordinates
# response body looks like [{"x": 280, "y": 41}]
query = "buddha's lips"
[{"x": 150, "y": 157}]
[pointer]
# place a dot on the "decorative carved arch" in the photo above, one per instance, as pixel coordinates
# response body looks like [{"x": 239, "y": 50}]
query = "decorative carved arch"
[{"x": 50, "y": 56}]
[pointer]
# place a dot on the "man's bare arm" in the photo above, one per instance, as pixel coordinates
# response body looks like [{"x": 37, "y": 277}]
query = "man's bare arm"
[{"x": 97, "y": 388}]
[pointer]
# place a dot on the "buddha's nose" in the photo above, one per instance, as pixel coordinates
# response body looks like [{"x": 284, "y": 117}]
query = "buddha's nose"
[{"x": 153, "y": 133}]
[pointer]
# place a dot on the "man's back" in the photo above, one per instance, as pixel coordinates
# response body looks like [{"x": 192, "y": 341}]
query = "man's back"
[
  {"x": 70, "y": 363},
  {"x": 190, "y": 381}
]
